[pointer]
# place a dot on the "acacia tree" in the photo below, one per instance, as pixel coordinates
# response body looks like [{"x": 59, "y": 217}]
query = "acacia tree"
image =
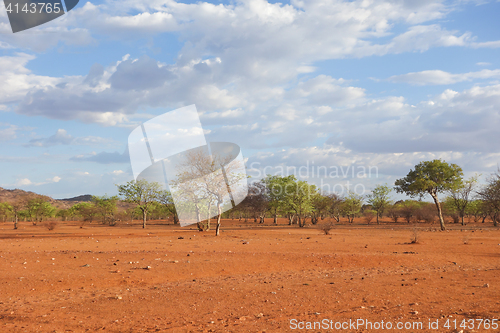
[
  {"x": 431, "y": 177},
  {"x": 379, "y": 199},
  {"x": 142, "y": 193}
]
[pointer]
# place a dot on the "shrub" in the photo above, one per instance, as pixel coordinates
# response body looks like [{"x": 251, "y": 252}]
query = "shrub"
[
  {"x": 369, "y": 215},
  {"x": 415, "y": 236},
  {"x": 326, "y": 228},
  {"x": 51, "y": 225}
]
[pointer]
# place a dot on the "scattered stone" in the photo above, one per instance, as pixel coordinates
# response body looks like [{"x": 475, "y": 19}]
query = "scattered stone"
[
  {"x": 414, "y": 312},
  {"x": 86, "y": 265},
  {"x": 486, "y": 285},
  {"x": 180, "y": 237},
  {"x": 259, "y": 315},
  {"x": 148, "y": 267}
]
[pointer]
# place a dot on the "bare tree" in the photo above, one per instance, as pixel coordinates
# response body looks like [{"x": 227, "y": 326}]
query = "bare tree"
[
  {"x": 490, "y": 195},
  {"x": 205, "y": 180},
  {"x": 461, "y": 195}
]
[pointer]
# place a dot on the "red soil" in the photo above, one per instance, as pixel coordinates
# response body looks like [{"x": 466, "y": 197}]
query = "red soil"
[{"x": 250, "y": 279}]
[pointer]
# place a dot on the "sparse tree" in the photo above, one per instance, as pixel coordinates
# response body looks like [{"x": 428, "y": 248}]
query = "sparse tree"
[
  {"x": 334, "y": 206},
  {"x": 142, "y": 193},
  {"x": 86, "y": 210},
  {"x": 5, "y": 211},
  {"x": 167, "y": 201},
  {"x": 431, "y": 177},
  {"x": 379, "y": 199},
  {"x": 490, "y": 195},
  {"x": 276, "y": 186},
  {"x": 204, "y": 180},
  {"x": 351, "y": 206},
  {"x": 105, "y": 207},
  {"x": 460, "y": 196}
]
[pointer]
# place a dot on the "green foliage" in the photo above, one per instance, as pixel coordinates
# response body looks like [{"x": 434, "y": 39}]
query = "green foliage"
[
  {"x": 105, "y": 207},
  {"x": 142, "y": 193},
  {"x": 351, "y": 206},
  {"x": 278, "y": 188},
  {"x": 379, "y": 199},
  {"x": 5, "y": 211},
  {"x": 431, "y": 177},
  {"x": 86, "y": 210}
]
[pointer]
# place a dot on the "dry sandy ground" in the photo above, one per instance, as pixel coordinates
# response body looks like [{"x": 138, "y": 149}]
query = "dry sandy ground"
[{"x": 249, "y": 279}]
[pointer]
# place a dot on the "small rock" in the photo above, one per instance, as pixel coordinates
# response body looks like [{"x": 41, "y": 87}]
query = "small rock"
[
  {"x": 86, "y": 265},
  {"x": 486, "y": 285},
  {"x": 148, "y": 267},
  {"x": 259, "y": 315},
  {"x": 414, "y": 312},
  {"x": 180, "y": 237}
]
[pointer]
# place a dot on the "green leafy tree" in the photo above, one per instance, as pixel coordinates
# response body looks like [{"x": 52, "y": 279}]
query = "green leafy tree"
[
  {"x": 379, "y": 199},
  {"x": 276, "y": 185},
  {"x": 5, "y": 211},
  {"x": 105, "y": 207},
  {"x": 431, "y": 177},
  {"x": 351, "y": 206},
  {"x": 142, "y": 193},
  {"x": 86, "y": 210},
  {"x": 299, "y": 198}
]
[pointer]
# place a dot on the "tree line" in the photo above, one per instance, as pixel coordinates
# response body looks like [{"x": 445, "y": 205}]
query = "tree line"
[{"x": 296, "y": 200}]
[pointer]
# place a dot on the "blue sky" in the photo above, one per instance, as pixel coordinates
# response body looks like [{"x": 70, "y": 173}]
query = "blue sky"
[{"x": 382, "y": 84}]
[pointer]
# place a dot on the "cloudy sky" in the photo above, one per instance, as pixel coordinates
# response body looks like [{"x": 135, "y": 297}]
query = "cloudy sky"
[{"x": 318, "y": 83}]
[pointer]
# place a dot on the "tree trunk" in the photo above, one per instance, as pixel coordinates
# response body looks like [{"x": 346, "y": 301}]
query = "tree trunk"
[
  {"x": 440, "y": 214},
  {"x": 463, "y": 222},
  {"x": 275, "y": 219},
  {"x": 378, "y": 222},
  {"x": 15, "y": 222},
  {"x": 219, "y": 210},
  {"x": 144, "y": 214}
]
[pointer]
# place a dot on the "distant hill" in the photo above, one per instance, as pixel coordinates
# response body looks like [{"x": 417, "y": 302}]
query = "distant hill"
[
  {"x": 13, "y": 195},
  {"x": 80, "y": 198}
]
